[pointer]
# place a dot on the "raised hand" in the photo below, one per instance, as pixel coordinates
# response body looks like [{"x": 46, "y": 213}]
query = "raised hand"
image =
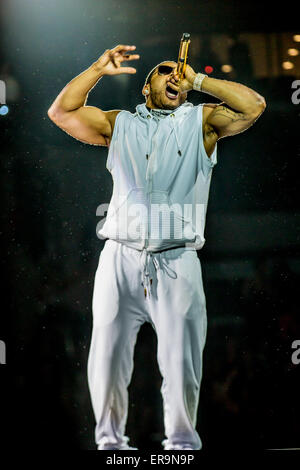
[
  {"x": 186, "y": 83},
  {"x": 110, "y": 63}
]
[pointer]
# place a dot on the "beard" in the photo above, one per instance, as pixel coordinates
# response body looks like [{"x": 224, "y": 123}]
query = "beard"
[{"x": 166, "y": 104}]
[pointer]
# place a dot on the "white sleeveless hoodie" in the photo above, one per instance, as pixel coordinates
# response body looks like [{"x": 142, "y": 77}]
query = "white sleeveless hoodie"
[{"x": 161, "y": 179}]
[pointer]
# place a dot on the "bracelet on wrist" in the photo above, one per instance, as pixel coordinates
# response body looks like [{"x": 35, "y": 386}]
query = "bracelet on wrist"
[{"x": 198, "y": 81}]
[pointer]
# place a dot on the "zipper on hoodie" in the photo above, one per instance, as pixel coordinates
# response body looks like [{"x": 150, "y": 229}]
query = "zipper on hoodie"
[
  {"x": 148, "y": 193},
  {"x": 146, "y": 242},
  {"x": 149, "y": 183}
]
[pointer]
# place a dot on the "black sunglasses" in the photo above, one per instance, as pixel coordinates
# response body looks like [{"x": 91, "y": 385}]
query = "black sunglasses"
[{"x": 165, "y": 69}]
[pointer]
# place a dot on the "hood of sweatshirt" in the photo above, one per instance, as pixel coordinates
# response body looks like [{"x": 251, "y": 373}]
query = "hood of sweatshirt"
[{"x": 172, "y": 118}]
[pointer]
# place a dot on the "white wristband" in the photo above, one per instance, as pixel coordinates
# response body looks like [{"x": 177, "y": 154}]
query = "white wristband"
[{"x": 198, "y": 81}]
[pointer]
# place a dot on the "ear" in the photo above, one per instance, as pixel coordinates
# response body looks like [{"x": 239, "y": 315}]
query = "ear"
[{"x": 146, "y": 91}]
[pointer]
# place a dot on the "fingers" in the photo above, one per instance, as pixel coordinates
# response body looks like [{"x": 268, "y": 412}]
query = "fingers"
[
  {"x": 130, "y": 57},
  {"x": 121, "y": 48},
  {"x": 121, "y": 53},
  {"x": 117, "y": 59},
  {"x": 127, "y": 70},
  {"x": 114, "y": 59},
  {"x": 175, "y": 79},
  {"x": 172, "y": 85}
]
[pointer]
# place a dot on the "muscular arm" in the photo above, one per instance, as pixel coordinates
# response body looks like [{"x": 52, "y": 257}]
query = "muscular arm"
[
  {"x": 240, "y": 108},
  {"x": 69, "y": 110}
]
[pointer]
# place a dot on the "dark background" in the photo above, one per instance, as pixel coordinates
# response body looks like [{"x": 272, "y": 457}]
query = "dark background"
[{"x": 52, "y": 184}]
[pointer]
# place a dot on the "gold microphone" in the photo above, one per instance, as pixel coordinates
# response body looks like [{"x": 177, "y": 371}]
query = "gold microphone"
[{"x": 183, "y": 54}]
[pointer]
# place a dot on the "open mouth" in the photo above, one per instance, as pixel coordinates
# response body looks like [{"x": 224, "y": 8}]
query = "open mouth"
[{"x": 171, "y": 94}]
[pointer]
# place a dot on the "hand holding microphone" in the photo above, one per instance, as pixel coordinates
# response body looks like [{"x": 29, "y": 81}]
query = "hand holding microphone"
[
  {"x": 183, "y": 54},
  {"x": 185, "y": 76}
]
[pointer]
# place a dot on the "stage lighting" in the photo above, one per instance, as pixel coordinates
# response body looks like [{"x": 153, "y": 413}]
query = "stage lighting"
[
  {"x": 4, "y": 110},
  {"x": 226, "y": 68},
  {"x": 287, "y": 65},
  {"x": 208, "y": 69},
  {"x": 293, "y": 52}
]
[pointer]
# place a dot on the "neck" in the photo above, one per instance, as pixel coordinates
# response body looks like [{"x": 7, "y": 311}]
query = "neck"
[{"x": 160, "y": 110}]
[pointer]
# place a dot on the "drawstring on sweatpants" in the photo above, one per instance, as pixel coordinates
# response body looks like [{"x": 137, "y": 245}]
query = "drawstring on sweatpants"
[{"x": 145, "y": 258}]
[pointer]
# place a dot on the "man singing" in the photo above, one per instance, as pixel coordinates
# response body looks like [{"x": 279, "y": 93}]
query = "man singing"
[{"x": 161, "y": 159}]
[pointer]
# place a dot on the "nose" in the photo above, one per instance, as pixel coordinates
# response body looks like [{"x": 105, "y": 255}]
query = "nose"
[
  {"x": 174, "y": 74},
  {"x": 174, "y": 78}
]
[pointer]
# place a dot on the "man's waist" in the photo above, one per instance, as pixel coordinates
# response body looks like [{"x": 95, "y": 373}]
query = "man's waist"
[{"x": 141, "y": 246}]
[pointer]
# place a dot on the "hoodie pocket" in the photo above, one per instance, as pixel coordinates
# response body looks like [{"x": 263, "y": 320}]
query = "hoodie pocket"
[
  {"x": 127, "y": 216},
  {"x": 168, "y": 221}
]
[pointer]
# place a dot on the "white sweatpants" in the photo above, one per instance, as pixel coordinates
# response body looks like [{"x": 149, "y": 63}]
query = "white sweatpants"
[{"x": 176, "y": 308}]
